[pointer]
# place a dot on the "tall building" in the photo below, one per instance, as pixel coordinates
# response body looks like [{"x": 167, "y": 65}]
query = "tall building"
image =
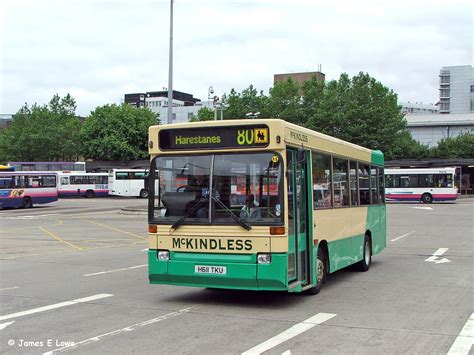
[{"x": 456, "y": 89}]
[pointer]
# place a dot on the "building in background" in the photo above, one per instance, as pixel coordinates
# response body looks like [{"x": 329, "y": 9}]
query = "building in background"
[
  {"x": 418, "y": 108},
  {"x": 456, "y": 89},
  {"x": 185, "y": 106},
  {"x": 5, "y": 120},
  {"x": 160, "y": 99},
  {"x": 300, "y": 78},
  {"x": 430, "y": 129}
]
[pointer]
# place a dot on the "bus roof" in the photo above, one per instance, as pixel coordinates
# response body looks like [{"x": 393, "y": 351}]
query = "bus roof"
[
  {"x": 280, "y": 132},
  {"x": 419, "y": 170}
]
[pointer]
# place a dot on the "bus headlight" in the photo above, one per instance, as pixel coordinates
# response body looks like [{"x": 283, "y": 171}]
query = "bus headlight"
[
  {"x": 163, "y": 255},
  {"x": 264, "y": 258}
]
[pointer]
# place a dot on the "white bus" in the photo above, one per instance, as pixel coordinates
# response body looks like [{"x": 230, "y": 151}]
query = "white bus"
[
  {"x": 83, "y": 184},
  {"x": 128, "y": 182},
  {"x": 423, "y": 185}
]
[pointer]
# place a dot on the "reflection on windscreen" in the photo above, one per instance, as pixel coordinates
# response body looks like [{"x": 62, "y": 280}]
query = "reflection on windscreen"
[{"x": 218, "y": 188}]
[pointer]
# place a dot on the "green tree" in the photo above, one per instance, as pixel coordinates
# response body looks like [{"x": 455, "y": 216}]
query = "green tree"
[
  {"x": 360, "y": 110},
  {"x": 49, "y": 132},
  {"x": 461, "y": 146},
  {"x": 117, "y": 132},
  {"x": 249, "y": 101},
  {"x": 405, "y": 147},
  {"x": 285, "y": 102},
  {"x": 312, "y": 100},
  {"x": 204, "y": 114}
]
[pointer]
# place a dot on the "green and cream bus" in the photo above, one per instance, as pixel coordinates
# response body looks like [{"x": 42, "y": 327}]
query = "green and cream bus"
[{"x": 317, "y": 205}]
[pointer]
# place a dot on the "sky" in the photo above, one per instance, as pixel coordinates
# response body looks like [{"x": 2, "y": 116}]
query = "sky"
[{"x": 99, "y": 50}]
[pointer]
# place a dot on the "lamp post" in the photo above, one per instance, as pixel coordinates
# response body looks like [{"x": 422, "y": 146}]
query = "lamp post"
[
  {"x": 252, "y": 114},
  {"x": 170, "y": 73},
  {"x": 210, "y": 92}
]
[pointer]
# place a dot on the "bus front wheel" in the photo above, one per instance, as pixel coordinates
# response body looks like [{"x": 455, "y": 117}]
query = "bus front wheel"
[
  {"x": 89, "y": 194},
  {"x": 427, "y": 198},
  {"x": 27, "y": 202},
  {"x": 321, "y": 272},
  {"x": 144, "y": 193}
]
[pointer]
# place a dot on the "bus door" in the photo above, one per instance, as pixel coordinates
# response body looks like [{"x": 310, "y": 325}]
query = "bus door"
[{"x": 298, "y": 250}]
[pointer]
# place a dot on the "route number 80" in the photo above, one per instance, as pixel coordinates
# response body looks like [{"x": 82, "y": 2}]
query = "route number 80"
[{"x": 245, "y": 136}]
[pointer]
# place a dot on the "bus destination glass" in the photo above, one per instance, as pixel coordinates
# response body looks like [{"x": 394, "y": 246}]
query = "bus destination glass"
[{"x": 248, "y": 136}]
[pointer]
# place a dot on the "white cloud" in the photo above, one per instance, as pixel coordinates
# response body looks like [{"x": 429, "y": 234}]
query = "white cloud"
[{"x": 98, "y": 50}]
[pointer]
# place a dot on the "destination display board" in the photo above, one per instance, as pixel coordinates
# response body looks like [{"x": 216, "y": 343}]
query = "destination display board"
[{"x": 248, "y": 136}]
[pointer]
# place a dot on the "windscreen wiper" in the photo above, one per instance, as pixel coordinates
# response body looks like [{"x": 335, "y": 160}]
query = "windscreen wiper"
[
  {"x": 193, "y": 209},
  {"x": 239, "y": 220}
]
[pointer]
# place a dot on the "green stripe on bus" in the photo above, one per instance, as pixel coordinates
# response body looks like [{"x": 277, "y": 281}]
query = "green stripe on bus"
[{"x": 377, "y": 157}]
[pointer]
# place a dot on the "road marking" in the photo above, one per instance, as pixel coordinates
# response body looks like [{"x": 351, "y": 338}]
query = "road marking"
[
  {"x": 402, "y": 236},
  {"x": 5, "y": 231},
  {"x": 59, "y": 239},
  {"x": 115, "y": 270},
  {"x": 434, "y": 258},
  {"x": 54, "y": 306},
  {"x": 62, "y": 251},
  {"x": 115, "y": 229},
  {"x": 146, "y": 249},
  {"x": 9, "y": 288},
  {"x": 118, "y": 331},
  {"x": 423, "y": 208},
  {"x": 465, "y": 339},
  {"x": 4, "y": 325},
  {"x": 288, "y": 352},
  {"x": 295, "y": 330},
  {"x": 30, "y": 216}
]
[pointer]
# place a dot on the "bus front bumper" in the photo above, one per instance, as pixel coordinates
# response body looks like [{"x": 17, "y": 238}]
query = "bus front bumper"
[{"x": 237, "y": 271}]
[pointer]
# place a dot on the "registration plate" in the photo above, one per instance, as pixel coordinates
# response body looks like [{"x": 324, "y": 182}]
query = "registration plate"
[{"x": 206, "y": 269}]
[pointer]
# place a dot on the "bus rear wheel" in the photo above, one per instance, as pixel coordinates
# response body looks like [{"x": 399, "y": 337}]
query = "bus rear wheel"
[
  {"x": 321, "y": 272},
  {"x": 364, "y": 264},
  {"x": 27, "y": 202},
  {"x": 89, "y": 194},
  {"x": 144, "y": 193},
  {"x": 427, "y": 198}
]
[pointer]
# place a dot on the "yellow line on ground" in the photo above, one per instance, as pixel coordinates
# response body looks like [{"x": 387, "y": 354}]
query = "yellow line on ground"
[
  {"x": 58, "y": 222},
  {"x": 115, "y": 229},
  {"x": 59, "y": 239}
]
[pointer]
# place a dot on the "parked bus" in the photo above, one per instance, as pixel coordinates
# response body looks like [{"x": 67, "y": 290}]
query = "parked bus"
[
  {"x": 22, "y": 189},
  {"x": 128, "y": 182},
  {"x": 83, "y": 184},
  {"x": 48, "y": 166},
  {"x": 320, "y": 205},
  {"x": 421, "y": 185}
]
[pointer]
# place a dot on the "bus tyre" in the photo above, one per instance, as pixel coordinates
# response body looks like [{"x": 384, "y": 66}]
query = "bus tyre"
[
  {"x": 427, "y": 198},
  {"x": 144, "y": 193},
  {"x": 364, "y": 264},
  {"x": 321, "y": 271},
  {"x": 89, "y": 194},
  {"x": 27, "y": 202}
]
